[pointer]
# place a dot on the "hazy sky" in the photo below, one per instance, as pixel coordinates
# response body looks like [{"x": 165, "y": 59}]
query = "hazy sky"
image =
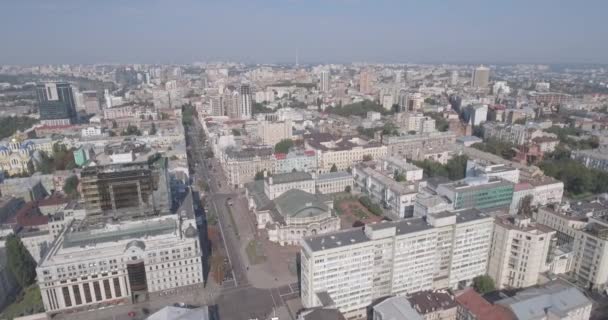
[{"x": 182, "y": 31}]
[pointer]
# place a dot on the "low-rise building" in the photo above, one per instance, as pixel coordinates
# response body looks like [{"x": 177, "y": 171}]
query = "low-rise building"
[
  {"x": 242, "y": 165},
  {"x": 434, "y": 304},
  {"x": 482, "y": 192},
  {"x": 299, "y": 161},
  {"x": 333, "y": 182},
  {"x": 342, "y": 152},
  {"x": 472, "y": 306},
  {"x": 485, "y": 169},
  {"x": 277, "y": 184},
  {"x": 416, "y": 146},
  {"x": 395, "y": 308},
  {"x": 593, "y": 159}
]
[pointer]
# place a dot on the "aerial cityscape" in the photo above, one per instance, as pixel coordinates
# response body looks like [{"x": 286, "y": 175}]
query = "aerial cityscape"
[{"x": 303, "y": 160}]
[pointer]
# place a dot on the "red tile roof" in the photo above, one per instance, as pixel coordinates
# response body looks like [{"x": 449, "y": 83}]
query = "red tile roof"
[
  {"x": 29, "y": 216},
  {"x": 481, "y": 308}
]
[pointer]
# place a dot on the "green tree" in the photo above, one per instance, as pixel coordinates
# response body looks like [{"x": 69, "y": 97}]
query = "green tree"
[
  {"x": 70, "y": 186},
  {"x": 525, "y": 207},
  {"x": 347, "y": 189},
  {"x": 236, "y": 132},
  {"x": 283, "y": 146},
  {"x": 441, "y": 124},
  {"x": 152, "y": 129},
  {"x": 260, "y": 175},
  {"x": 456, "y": 167},
  {"x": 114, "y": 124},
  {"x": 20, "y": 262},
  {"x": 131, "y": 130},
  {"x": 483, "y": 284},
  {"x": 333, "y": 168},
  {"x": 367, "y": 157},
  {"x": 10, "y": 125}
]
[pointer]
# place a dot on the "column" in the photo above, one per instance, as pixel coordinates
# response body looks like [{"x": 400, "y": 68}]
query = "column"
[
  {"x": 111, "y": 280},
  {"x": 82, "y": 295}
]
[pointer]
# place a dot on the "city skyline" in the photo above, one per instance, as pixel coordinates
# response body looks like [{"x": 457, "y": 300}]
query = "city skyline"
[{"x": 273, "y": 31}]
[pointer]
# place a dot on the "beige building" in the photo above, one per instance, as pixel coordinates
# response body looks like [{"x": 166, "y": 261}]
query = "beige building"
[
  {"x": 276, "y": 185},
  {"x": 416, "y": 146},
  {"x": 241, "y": 166},
  {"x": 333, "y": 182},
  {"x": 565, "y": 223},
  {"x": 591, "y": 254},
  {"x": 519, "y": 251},
  {"x": 271, "y": 133},
  {"x": 343, "y": 152}
]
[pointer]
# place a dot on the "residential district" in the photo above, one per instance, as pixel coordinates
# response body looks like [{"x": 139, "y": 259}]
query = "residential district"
[{"x": 304, "y": 192}]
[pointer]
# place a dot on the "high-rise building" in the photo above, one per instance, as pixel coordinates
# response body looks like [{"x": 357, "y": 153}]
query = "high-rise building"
[
  {"x": 454, "y": 77},
  {"x": 125, "y": 183},
  {"x": 481, "y": 77},
  {"x": 217, "y": 106},
  {"x": 325, "y": 81},
  {"x": 352, "y": 268},
  {"x": 245, "y": 102},
  {"x": 519, "y": 251},
  {"x": 91, "y": 102},
  {"x": 365, "y": 82},
  {"x": 56, "y": 103}
]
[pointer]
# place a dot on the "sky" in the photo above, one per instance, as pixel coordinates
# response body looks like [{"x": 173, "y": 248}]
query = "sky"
[{"x": 321, "y": 31}]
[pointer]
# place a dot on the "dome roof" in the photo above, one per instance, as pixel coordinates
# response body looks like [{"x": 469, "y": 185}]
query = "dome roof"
[
  {"x": 296, "y": 203},
  {"x": 190, "y": 232}
]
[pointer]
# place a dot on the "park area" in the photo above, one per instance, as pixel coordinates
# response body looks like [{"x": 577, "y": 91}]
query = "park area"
[
  {"x": 27, "y": 302},
  {"x": 352, "y": 213}
]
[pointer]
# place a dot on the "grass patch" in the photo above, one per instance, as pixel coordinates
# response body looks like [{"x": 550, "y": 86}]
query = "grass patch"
[
  {"x": 255, "y": 252},
  {"x": 236, "y": 230},
  {"x": 28, "y": 302}
]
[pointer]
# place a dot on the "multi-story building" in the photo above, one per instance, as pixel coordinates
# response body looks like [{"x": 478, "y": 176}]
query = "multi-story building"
[
  {"x": 402, "y": 167},
  {"x": 324, "y": 87},
  {"x": 271, "y": 133},
  {"x": 416, "y": 146},
  {"x": 476, "y": 114},
  {"x": 546, "y": 190},
  {"x": 397, "y": 197},
  {"x": 354, "y": 267},
  {"x": 342, "y": 152},
  {"x": 566, "y": 223},
  {"x": 245, "y": 102},
  {"x": 482, "y": 192},
  {"x": 333, "y": 182},
  {"x": 593, "y": 159},
  {"x": 105, "y": 264},
  {"x": 241, "y": 165},
  {"x": 56, "y": 103},
  {"x": 480, "y": 77},
  {"x": 520, "y": 251},
  {"x": 126, "y": 184},
  {"x": 295, "y": 161},
  {"x": 365, "y": 82},
  {"x": 434, "y": 304},
  {"x": 416, "y": 122},
  {"x": 91, "y": 102},
  {"x": 276, "y": 185},
  {"x": 485, "y": 169},
  {"x": 591, "y": 254},
  {"x": 517, "y": 134}
]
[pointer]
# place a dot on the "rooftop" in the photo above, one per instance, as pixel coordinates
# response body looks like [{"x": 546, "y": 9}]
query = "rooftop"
[
  {"x": 397, "y": 308},
  {"x": 432, "y": 300},
  {"x": 481, "y": 308},
  {"x": 334, "y": 175},
  {"x": 290, "y": 177}
]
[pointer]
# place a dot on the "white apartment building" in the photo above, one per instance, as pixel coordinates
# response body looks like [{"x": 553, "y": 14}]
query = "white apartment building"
[
  {"x": 410, "y": 171},
  {"x": 397, "y": 197},
  {"x": 591, "y": 254},
  {"x": 484, "y": 169},
  {"x": 241, "y": 165},
  {"x": 564, "y": 222},
  {"x": 351, "y": 268},
  {"x": 417, "y": 122},
  {"x": 105, "y": 264},
  {"x": 547, "y": 190},
  {"x": 519, "y": 252},
  {"x": 90, "y": 132},
  {"x": 271, "y": 133}
]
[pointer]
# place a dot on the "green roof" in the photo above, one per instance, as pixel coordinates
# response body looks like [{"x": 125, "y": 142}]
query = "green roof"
[{"x": 296, "y": 203}]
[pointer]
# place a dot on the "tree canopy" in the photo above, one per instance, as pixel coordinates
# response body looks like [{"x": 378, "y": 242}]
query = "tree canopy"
[
  {"x": 131, "y": 130},
  {"x": 484, "y": 284},
  {"x": 70, "y": 186},
  {"x": 10, "y": 125},
  {"x": 283, "y": 146},
  {"x": 333, "y": 168},
  {"x": 454, "y": 169},
  {"x": 357, "y": 109},
  {"x": 441, "y": 124},
  {"x": 498, "y": 147},
  {"x": 20, "y": 262}
]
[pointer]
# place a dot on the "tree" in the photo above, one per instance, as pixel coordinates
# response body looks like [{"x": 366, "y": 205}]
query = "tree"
[
  {"x": 333, "y": 168},
  {"x": 152, "y": 129},
  {"x": 10, "y": 125},
  {"x": 456, "y": 167},
  {"x": 525, "y": 207},
  {"x": 260, "y": 175},
  {"x": 20, "y": 262},
  {"x": 131, "y": 130},
  {"x": 70, "y": 186},
  {"x": 367, "y": 157},
  {"x": 483, "y": 284},
  {"x": 347, "y": 189},
  {"x": 114, "y": 124},
  {"x": 399, "y": 177},
  {"x": 283, "y": 146}
]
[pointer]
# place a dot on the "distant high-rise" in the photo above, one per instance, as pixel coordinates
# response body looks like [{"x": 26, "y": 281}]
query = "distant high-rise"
[
  {"x": 365, "y": 82},
  {"x": 325, "y": 81},
  {"x": 481, "y": 77},
  {"x": 454, "y": 77},
  {"x": 398, "y": 76},
  {"x": 245, "y": 102},
  {"x": 56, "y": 103}
]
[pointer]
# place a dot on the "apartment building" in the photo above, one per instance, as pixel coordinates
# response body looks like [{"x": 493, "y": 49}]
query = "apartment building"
[
  {"x": 102, "y": 264},
  {"x": 352, "y": 268},
  {"x": 416, "y": 146},
  {"x": 593, "y": 159},
  {"x": 298, "y": 161},
  {"x": 397, "y": 197},
  {"x": 546, "y": 190},
  {"x": 342, "y": 152},
  {"x": 271, "y": 133},
  {"x": 241, "y": 165},
  {"x": 591, "y": 254},
  {"x": 519, "y": 252},
  {"x": 517, "y": 134},
  {"x": 400, "y": 166},
  {"x": 566, "y": 223}
]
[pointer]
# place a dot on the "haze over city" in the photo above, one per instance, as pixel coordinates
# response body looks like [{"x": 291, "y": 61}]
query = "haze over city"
[{"x": 271, "y": 31}]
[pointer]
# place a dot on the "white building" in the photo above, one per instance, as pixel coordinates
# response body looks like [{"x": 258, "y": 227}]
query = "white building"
[
  {"x": 333, "y": 182},
  {"x": 416, "y": 122},
  {"x": 276, "y": 185},
  {"x": 591, "y": 254},
  {"x": 343, "y": 152},
  {"x": 484, "y": 169},
  {"x": 90, "y": 132},
  {"x": 519, "y": 252},
  {"x": 104, "y": 264},
  {"x": 324, "y": 81},
  {"x": 271, "y": 133},
  {"x": 401, "y": 166},
  {"x": 354, "y": 267},
  {"x": 547, "y": 190}
]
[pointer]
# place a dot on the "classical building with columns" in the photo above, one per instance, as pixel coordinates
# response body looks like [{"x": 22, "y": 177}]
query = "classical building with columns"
[{"x": 93, "y": 265}]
